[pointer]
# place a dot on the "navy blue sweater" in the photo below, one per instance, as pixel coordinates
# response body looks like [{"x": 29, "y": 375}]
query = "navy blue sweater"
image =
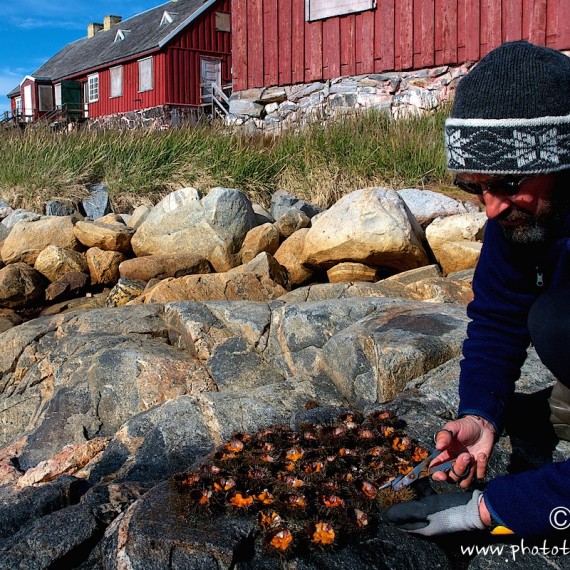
[{"x": 507, "y": 280}]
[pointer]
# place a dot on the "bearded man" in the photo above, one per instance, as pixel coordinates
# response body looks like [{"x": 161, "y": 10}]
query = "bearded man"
[{"x": 508, "y": 142}]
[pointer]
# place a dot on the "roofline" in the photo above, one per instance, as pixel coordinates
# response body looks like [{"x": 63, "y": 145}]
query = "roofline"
[
  {"x": 107, "y": 65},
  {"x": 185, "y": 23}
]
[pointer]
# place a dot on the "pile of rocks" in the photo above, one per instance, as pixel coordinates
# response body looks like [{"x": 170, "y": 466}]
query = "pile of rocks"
[{"x": 222, "y": 246}]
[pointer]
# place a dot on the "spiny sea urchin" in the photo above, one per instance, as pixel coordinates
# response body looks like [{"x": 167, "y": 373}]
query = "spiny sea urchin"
[{"x": 312, "y": 487}]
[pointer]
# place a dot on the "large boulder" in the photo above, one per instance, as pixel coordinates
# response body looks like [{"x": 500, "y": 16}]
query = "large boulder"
[
  {"x": 28, "y": 239},
  {"x": 104, "y": 265},
  {"x": 370, "y": 226},
  {"x": 212, "y": 228},
  {"x": 20, "y": 286},
  {"x": 229, "y": 286}
]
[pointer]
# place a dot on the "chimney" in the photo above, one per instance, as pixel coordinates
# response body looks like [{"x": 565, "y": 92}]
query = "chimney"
[
  {"x": 93, "y": 28},
  {"x": 110, "y": 21}
]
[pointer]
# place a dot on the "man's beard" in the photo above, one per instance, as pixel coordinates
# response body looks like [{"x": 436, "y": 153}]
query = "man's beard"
[
  {"x": 532, "y": 228},
  {"x": 538, "y": 227}
]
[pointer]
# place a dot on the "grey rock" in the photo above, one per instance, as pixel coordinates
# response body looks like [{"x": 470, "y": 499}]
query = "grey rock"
[
  {"x": 20, "y": 215},
  {"x": 5, "y": 209},
  {"x": 62, "y": 538},
  {"x": 4, "y": 231},
  {"x": 281, "y": 202},
  {"x": 291, "y": 221},
  {"x": 245, "y": 107},
  {"x": 61, "y": 208},
  {"x": 97, "y": 204},
  {"x": 426, "y": 205},
  {"x": 262, "y": 216},
  {"x": 19, "y": 509}
]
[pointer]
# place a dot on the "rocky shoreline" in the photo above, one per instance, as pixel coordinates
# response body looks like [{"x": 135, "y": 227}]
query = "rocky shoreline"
[{"x": 204, "y": 317}]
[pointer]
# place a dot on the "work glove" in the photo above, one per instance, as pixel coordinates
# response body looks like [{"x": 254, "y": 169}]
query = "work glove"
[{"x": 438, "y": 514}]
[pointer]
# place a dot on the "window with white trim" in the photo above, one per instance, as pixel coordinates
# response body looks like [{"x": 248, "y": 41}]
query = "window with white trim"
[
  {"x": 93, "y": 88},
  {"x": 146, "y": 73},
  {"x": 320, "y": 9},
  {"x": 45, "y": 97},
  {"x": 116, "y": 81},
  {"x": 18, "y": 105}
]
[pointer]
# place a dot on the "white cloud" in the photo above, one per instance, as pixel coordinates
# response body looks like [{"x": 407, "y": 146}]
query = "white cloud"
[{"x": 37, "y": 23}]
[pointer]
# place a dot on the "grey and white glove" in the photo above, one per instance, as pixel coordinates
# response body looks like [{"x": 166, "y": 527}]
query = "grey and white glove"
[{"x": 438, "y": 514}]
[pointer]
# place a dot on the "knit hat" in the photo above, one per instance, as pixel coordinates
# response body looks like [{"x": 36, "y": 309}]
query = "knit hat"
[{"x": 512, "y": 113}]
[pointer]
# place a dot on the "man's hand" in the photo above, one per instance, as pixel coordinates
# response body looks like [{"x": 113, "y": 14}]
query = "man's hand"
[
  {"x": 470, "y": 440},
  {"x": 438, "y": 514}
]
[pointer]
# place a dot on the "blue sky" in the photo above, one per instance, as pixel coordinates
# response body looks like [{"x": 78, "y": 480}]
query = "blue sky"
[{"x": 32, "y": 31}]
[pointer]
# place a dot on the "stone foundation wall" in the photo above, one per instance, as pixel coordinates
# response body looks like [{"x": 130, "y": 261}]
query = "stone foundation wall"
[
  {"x": 397, "y": 93},
  {"x": 162, "y": 117}
]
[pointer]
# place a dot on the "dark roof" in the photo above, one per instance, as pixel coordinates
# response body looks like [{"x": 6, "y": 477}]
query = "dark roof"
[
  {"x": 145, "y": 34},
  {"x": 15, "y": 92}
]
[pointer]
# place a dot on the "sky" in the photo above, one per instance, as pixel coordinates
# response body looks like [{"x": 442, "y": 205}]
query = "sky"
[{"x": 32, "y": 31}]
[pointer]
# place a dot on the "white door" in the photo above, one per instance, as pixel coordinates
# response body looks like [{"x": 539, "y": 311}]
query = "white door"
[
  {"x": 210, "y": 72},
  {"x": 28, "y": 109}
]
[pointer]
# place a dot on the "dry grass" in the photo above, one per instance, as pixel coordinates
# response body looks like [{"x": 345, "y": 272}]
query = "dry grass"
[{"x": 320, "y": 164}]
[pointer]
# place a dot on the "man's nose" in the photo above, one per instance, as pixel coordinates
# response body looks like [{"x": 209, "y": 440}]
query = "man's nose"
[{"x": 495, "y": 204}]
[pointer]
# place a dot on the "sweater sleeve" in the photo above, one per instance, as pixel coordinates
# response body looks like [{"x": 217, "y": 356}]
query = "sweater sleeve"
[
  {"x": 504, "y": 287},
  {"x": 524, "y": 502}
]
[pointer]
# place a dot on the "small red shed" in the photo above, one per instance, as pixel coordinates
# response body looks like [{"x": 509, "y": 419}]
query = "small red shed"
[
  {"x": 165, "y": 58},
  {"x": 284, "y": 42}
]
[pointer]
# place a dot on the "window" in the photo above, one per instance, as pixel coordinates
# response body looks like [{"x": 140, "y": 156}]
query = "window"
[
  {"x": 18, "y": 105},
  {"x": 146, "y": 80},
  {"x": 319, "y": 9},
  {"x": 93, "y": 88},
  {"x": 121, "y": 35},
  {"x": 116, "y": 81},
  {"x": 45, "y": 96},
  {"x": 168, "y": 18},
  {"x": 223, "y": 22},
  {"x": 58, "y": 95}
]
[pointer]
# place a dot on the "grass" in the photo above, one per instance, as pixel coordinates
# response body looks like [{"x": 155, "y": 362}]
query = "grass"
[{"x": 320, "y": 164}]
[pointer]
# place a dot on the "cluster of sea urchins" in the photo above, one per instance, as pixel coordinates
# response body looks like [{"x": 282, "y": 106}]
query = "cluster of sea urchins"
[{"x": 315, "y": 486}]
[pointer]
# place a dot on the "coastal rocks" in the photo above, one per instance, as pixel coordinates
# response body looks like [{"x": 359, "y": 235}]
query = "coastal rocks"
[
  {"x": 289, "y": 256},
  {"x": 212, "y": 228},
  {"x": 163, "y": 266},
  {"x": 105, "y": 236},
  {"x": 457, "y": 229},
  {"x": 103, "y": 265},
  {"x": 70, "y": 285},
  {"x": 234, "y": 286},
  {"x": 370, "y": 226},
  {"x": 27, "y": 239},
  {"x": 349, "y": 271},
  {"x": 54, "y": 262},
  {"x": 20, "y": 286},
  {"x": 261, "y": 238}
]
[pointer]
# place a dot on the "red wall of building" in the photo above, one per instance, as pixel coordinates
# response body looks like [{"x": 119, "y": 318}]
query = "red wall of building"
[
  {"x": 131, "y": 100},
  {"x": 200, "y": 39},
  {"x": 274, "y": 45}
]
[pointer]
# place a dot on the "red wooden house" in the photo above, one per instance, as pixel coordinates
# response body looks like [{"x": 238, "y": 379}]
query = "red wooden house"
[
  {"x": 285, "y": 42},
  {"x": 165, "y": 58}
]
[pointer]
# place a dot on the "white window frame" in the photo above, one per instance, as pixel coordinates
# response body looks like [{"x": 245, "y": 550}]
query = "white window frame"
[
  {"x": 116, "y": 83},
  {"x": 45, "y": 98},
  {"x": 18, "y": 104},
  {"x": 93, "y": 88},
  {"x": 146, "y": 83},
  {"x": 321, "y": 9}
]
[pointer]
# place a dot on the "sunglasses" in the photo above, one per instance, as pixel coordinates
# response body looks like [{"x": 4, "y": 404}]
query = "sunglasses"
[{"x": 506, "y": 186}]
